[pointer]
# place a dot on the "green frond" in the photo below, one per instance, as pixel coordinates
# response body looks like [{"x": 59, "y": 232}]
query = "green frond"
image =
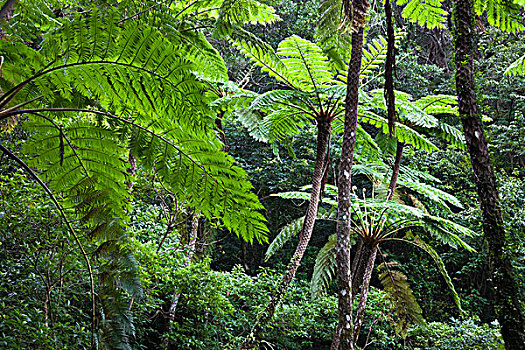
[
  {"x": 306, "y": 62},
  {"x": 283, "y": 123},
  {"x": 286, "y": 233},
  {"x": 432, "y": 193},
  {"x": 333, "y": 33},
  {"x": 374, "y": 56},
  {"x": 209, "y": 64},
  {"x": 403, "y": 133},
  {"x": 84, "y": 155},
  {"x": 203, "y": 176},
  {"x": 253, "y": 122},
  {"x": 438, "y": 104},
  {"x": 418, "y": 175},
  {"x": 292, "y": 229},
  {"x": 426, "y": 13},
  {"x": 406, "y": 308},
  {"x": 141, "y": 73},
  {"x": 324, "y": 268},
  {"x": 262, "y": 55},
  {"x": 451, "y": 134},
  {"x": 239, "y": 12},
  {"x": 503, "y": 14},
  {"x": 448, "y": 231},
  {"x": 439, "y": 263},
  {"x": 517, "y": 67}
]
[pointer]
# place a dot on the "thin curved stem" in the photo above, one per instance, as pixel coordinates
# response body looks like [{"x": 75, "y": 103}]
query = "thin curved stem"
[{"x": 71, "y": 230}]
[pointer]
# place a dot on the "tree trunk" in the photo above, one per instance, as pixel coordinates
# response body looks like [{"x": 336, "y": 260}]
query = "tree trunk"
[
  {"x": 7, "y": 10},
  {"x": 390, "y": 97},
  {"x": 343, "y": 335},
  {"x": 505, "y": 288},
  {"x": 323, "y": 134},
  {"x": 395, "y": 170},
  {"x": 365, "y": 286}
]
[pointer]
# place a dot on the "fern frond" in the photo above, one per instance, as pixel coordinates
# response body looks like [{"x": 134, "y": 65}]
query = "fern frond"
[
  {"x": 142, "y": 73},
  {"x": 324, "y": 268},
  {"x": 517, "y": 67},
  {"x": 374, "y": 56},
  {"x": 432, "y": 193},
  {"x": 284, "y": 123},
  {"x": 292, "y": 229},
  {"x": 209, "y": 64},
  {"x": 253, "y": 122},
  {"x": 439, "y": 263},
  {"x": 429, "y": 13},
  {"x": 239, "y": 12},
  {"x": 406, "y": 308},
  {"x": 306, "y": 62},
  {"x": 333, "y": 33},
  {"x": 503, "y": 14},
  {"x": 286, "y": 233},
  {"x": 262, "y": 55},
  {"x": 403, "y": 133}
]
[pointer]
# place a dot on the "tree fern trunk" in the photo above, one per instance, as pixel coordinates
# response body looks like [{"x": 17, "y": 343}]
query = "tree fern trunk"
[
  {"x": 362, "y": 257},
  {"x": 323, "y": 135},
  {"x": 505, "y": 288},
  {"x": 365, "y": 286},
  {"x": 395, "y": 170},
  {"x": 343, "y": 335}
]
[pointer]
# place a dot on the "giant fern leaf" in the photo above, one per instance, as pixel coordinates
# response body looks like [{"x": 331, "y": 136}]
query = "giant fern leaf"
[
  {"x": 306, "y": 62},
  {"x": 406, "y": 308},
  {"x": 429, "y": 13}
]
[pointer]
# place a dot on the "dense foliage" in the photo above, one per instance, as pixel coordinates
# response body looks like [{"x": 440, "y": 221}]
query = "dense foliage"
[{"x": 157, "y": 169}]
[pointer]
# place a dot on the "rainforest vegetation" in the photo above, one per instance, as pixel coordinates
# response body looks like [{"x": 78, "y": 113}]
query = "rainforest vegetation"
[{"x": 272, "y": 174}]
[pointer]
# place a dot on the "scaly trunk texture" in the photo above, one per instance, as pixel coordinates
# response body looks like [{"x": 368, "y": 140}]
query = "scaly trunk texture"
[
  {"x": 365, "y": 287},
  {"x": 390, "y": 96},
  {"x": 323, "y": 135},
  {"x": 395, "y": 170},
  {"x": 505, "y": 289},
  {"x": 343, "y": 334}
]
